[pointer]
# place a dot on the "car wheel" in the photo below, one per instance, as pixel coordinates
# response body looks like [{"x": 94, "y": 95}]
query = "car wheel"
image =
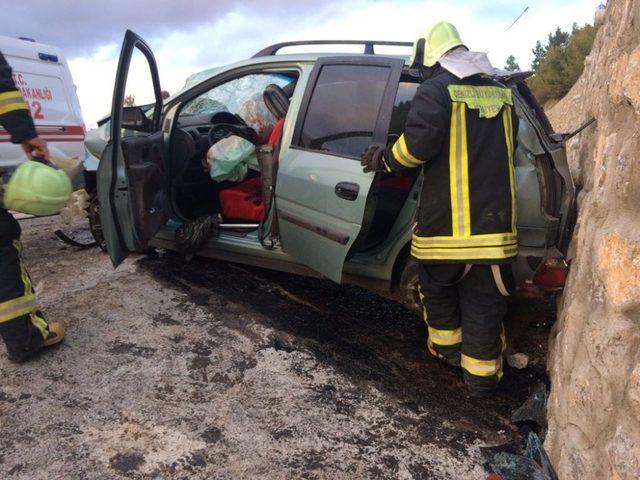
[
  {"x": 94, "y": 224},
  {"x": 407, "y": 292}
]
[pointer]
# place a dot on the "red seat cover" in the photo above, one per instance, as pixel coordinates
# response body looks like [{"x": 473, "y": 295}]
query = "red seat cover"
[
  {"x": 243, "y": 201},
  {"x": 275, "y": 133}
]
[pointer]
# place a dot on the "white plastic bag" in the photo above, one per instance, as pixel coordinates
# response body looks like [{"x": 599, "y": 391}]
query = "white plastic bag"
[
  {"x": 256, "y": 114},
  {"x": 229, "y": 157},
  {"x": 73, "y": 167}
]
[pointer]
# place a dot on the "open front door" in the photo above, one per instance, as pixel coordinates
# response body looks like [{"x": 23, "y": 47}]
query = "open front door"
[
  {"x": 321, "y": 191},
  {"x": 131, "y": 174}
]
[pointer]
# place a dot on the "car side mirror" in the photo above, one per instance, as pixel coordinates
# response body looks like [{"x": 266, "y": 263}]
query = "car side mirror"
[{"x": 134, "y": 118}]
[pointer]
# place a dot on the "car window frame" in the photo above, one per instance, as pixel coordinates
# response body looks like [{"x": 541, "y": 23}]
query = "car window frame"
[{"x": 383, "y": 119}]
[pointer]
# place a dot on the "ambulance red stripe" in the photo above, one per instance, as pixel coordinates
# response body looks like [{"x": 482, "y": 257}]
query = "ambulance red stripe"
[{"x": 53, "y": 133}]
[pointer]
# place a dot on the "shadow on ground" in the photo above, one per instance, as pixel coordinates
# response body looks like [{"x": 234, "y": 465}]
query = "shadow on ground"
[{"x": 371, "y": 340}]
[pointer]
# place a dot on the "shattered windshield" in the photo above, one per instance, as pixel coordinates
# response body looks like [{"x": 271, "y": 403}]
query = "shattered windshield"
[{"x": 229, "y": 96}]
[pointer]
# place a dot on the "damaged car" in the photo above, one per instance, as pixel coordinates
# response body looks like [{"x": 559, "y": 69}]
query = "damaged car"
[{"x": 299, "y": 201}]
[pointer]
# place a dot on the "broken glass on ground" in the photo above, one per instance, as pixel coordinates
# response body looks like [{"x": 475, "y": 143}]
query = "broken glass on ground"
[
  {"x": 533, "y": 411},
  {"x": 532, "y": 464},
  {"x": 511, "y": 461}
]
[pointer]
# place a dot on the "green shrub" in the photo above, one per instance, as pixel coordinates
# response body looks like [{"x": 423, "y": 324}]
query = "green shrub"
[{"x": 562, "y": 63}]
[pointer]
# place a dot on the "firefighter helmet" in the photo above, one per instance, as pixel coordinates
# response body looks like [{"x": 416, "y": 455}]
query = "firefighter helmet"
[
  {"x": 37, "y": 189},
  {"x": 437, "y": 40}
]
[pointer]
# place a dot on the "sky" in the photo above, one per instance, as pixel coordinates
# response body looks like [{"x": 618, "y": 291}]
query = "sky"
[{"x": 190, "y": 36}]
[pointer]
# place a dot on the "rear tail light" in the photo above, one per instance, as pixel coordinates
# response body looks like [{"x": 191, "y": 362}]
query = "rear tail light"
[{"x": 551, "y": 275}]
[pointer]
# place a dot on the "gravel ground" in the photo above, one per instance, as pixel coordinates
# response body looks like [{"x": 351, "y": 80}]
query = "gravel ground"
[{"x": 212, "y": 370}]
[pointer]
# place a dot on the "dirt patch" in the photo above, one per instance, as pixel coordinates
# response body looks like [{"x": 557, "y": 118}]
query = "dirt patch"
[
  {"x": 126, "y": 462},
  {"x": 179, "y": 370}
]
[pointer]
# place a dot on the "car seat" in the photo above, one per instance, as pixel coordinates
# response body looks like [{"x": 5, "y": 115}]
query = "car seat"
[
  {"x": 246, "y": 201},
  {"x": 276, "y": 100},
  {"x": 243, "y": 201}
]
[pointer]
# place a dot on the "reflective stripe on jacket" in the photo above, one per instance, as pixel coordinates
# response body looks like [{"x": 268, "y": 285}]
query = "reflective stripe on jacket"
[
  {"x": 463, "y": 133},
  {"x": 15, "y": 116}
]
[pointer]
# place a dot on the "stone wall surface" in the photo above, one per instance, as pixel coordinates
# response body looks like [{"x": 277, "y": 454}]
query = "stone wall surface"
[{"x": 594, "y": 364}]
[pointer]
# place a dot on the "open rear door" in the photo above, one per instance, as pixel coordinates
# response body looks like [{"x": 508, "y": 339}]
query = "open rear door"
[
  {"x": 131, "y": 175},
  {"x": 321, "y": 191}
]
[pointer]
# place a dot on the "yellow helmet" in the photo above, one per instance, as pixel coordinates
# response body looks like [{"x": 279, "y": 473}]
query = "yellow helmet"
[
  {"x": 37, "y": 189},
  {"x": 437, "y": 40}
]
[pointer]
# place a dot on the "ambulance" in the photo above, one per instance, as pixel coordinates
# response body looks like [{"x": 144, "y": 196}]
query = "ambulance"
[{"x": 41, "y": 73}]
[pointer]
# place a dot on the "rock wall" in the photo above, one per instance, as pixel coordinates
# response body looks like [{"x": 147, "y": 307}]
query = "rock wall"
[{"x": 594, "y": 407}]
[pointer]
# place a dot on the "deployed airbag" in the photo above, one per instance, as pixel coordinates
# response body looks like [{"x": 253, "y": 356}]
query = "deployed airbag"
[{"x": 229, "y": 157}]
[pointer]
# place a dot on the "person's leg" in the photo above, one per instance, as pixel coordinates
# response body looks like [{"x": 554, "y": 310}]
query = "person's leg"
[
  {"x": 441, "y": 310},
  {"x": 483, "y": 308},
  {"x": 22, "y": 326}
]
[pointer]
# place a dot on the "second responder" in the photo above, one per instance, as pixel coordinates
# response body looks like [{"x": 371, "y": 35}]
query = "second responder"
[
  {"x": 461, "y": 130},
  {"x": 33, "y": 188}
]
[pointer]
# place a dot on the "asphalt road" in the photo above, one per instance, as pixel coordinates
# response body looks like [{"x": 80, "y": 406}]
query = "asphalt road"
[{"x": 212, "y": 370}]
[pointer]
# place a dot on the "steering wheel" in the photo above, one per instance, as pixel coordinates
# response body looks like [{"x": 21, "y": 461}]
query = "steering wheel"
[{"x": 219, "y": 131}]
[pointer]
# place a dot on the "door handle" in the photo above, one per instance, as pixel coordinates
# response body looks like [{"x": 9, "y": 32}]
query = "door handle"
[{"x": 347, "y": 190}]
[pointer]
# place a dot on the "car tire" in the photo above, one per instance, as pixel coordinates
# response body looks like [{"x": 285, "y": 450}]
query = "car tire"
[{"x": 407, "y": 291}]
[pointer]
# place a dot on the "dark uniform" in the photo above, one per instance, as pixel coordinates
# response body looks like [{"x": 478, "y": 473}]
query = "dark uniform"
[
  {"x": 22, "y": 326},
  {"x": 463, "y": 134}
]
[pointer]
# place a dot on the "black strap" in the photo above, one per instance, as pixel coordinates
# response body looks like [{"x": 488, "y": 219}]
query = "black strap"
[
  {"x": 418, "y": 60},
  {"x": 268, "y": 171}
]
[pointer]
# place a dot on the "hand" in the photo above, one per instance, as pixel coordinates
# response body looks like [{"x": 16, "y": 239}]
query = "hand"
[
  {"x": 373, "y": 159},
  {"x": 36, "y": 148},
  {"x": 206, "y": 166}
]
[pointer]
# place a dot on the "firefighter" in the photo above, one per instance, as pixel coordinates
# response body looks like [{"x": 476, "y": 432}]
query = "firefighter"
[
  {"x": 33, "y": 188},
  {"x": 461, "y": 130}
]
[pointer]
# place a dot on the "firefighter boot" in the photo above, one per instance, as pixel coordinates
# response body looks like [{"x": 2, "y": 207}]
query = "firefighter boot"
[
  {"x": 441, "y": 311},
  {"x": 25, "y": 341},
  {"x": 56, "y": 334}
]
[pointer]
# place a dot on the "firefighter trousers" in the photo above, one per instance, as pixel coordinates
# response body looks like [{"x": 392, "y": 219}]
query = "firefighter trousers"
[
  {"x": 22, "y": 326},
  {"x": 463, "y": 309}
]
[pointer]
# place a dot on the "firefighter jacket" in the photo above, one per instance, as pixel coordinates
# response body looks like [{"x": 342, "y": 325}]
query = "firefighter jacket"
[
  {"x": 463, "y": 134},
  {"x": 14, "y": 112}
]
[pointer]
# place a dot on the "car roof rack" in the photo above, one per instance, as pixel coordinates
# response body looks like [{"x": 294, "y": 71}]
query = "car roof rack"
[{"x": 368, "y": 45}]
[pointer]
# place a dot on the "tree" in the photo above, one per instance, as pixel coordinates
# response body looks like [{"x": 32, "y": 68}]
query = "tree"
[
  {"x": 558, "y": 39},
  {"x": 576, "y": 51},
  {"x": 562, "y": 64},
  {"x": 538, "y": 55},
  {"x": 512, "y": 64}
]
